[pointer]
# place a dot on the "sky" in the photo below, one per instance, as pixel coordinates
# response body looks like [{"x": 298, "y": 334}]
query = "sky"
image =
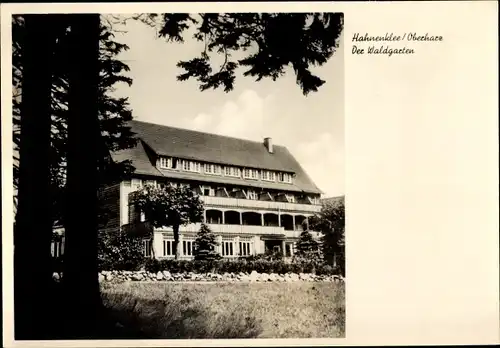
[{"x": 311, "y": 127}]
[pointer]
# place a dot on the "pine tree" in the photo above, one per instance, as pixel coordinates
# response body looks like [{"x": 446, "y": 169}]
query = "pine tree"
[
  {"x": 204, "y": 245},
  {"x": 307, "y": 247}
]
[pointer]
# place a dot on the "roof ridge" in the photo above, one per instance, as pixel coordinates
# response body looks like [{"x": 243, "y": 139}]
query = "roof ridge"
[{"x": 207, "y": 133}]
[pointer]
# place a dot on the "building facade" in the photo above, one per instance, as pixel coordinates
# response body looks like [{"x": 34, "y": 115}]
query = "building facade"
[{"x": 257, "y": 197}]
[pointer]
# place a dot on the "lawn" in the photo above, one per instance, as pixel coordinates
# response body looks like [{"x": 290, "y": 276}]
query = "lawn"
[{"x": 170, "y": 310}]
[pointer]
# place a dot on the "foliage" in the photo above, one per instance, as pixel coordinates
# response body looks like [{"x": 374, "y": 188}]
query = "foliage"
[
  {"x": 272, "y": 42},
  {"x": 330, "y": 221},
  {"x": 119, "y": 251},
  {"x": 204, "y": 244},
  {"x": 114, "y": 112},
  {"x": 239, "y": 265},
  {"x": 169, "y": 205},
  {"x": 307, "y": 247}
]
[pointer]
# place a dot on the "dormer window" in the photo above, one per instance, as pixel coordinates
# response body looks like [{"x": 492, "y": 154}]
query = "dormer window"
[
  {"x": 250, "y": 173},
  {"x": 267, "y": 175},
  {"x": 285, "y": 177},
  {"x": 232, "y": 171},
  {"x": 214, "y": 169},
  {"x": 190, "y": 166},
  {"x": 166, "y": 163}
]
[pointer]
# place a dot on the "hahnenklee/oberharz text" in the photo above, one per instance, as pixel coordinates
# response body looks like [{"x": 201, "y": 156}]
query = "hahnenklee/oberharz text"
[
  {"x": 410, "y": 37},
  {"x": 391, "y": 37}
]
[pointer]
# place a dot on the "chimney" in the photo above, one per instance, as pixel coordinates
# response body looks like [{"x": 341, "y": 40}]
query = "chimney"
[{"x": 268, "y": 142}]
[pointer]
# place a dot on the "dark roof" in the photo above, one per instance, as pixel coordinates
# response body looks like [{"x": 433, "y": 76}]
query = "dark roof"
[{"x": 206, "y": 147}]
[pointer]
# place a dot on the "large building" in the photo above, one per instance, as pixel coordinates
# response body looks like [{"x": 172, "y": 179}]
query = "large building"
[{"x": 257, "y": 197}]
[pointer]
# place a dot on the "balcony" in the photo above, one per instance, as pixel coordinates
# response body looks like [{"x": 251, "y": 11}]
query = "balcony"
[
  {"x": 255, "y": 204},
  {"x": 230, "y": 229}
]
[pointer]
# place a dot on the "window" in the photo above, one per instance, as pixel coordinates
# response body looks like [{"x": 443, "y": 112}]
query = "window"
[
  {"x": 136, "y": 183},
  {"x": 285, "y": 177},
  {"x": 168, "y": 248},
  {"x": 227, "y": 248},
  {"x": 209, "y": 168},
  {"x": 252, "y": 195},
  {"x": 245, "y": 248},
  {"x": 232, "y": 171},
  {"x": 126, "y": 183},
  {"x": 213, "y": 169},
  {"x": 208, "y": 191},
  {"x": 146, "y": 243},
  {"x": 291, "y": 198},
  {"x": 187, "y": 248},
  {"x": 56, "y": 248},
  {"x": 267, "y": 175},
  {"x": 166, "y": 162},
  {"x": 251, "y": 173},
  {"x": 190, "y": 166}
]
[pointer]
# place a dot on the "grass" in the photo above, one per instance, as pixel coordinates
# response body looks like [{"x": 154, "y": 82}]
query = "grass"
[{"x": 228, "y": 310}]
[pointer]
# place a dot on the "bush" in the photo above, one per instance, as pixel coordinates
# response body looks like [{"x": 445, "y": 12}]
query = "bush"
[
  {"x": 239, "y": 265},
  {"x": 118, "y": 251},
  {"x": 204, "y": 245}
]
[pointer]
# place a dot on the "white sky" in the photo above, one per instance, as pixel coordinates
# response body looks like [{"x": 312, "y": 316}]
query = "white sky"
[{"x": 311, "y": 127}]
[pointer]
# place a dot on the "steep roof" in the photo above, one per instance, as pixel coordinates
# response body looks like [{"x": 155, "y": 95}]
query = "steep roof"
[{"x": 206, "y": 147}]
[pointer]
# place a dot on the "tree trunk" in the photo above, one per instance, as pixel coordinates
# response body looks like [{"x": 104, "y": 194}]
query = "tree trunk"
[
  {"x": 33, "y": 226},
  {"x": 80, "y": 275},
  {"x": 153, "y": 255},
  {"x": 176, "y": 242}
]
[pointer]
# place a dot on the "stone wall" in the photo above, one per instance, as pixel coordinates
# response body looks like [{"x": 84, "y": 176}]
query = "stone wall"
[{"x": 122, "y": 276}]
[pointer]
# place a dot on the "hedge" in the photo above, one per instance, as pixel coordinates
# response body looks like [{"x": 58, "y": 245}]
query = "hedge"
[{"x": 237, "y": 266}]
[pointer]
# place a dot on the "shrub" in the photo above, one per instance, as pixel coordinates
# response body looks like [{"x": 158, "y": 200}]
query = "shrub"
[
  {"x": 118, "y": 251},
  {"x": 204, "y": 245},
  {"x": 152, "y": 265},
  {"x": 299, "y": 265},
  {"x": 307, "y": 247}
]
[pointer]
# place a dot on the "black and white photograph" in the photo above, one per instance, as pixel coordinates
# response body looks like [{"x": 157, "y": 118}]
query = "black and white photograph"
[{"x": 178, "y": 175}]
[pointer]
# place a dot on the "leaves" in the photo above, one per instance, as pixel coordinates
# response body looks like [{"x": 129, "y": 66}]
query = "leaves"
[
  {"x": 169, "y": 205},
  {"x": 274, "y": 41},
  {"x": 307, "y": 247},
  {"x": 330, "y": 221},
  {"x": 204, "y": 245},
  {"x": 117, "y": 250},
  {"x": 114, "y": 112}
]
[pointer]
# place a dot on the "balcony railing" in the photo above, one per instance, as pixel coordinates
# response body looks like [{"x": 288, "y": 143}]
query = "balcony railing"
[
  {"x": 234, "y": 229},
  {"x": 269, "y": 205}
]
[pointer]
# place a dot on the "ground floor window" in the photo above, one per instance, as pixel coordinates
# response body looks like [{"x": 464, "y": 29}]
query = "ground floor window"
[
  {"x": 227, "y": 249},
  {"x": 245, "y": 248},
  {"x": 146, "y": 243},
  {"x": 187, "y": 248},
  {"x": 168, "y": 248},
  {"x": 56, "y": 248}
]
